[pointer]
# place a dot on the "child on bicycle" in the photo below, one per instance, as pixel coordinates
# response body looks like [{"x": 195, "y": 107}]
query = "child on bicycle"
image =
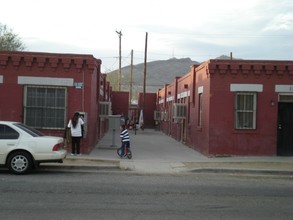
[{"x": 124, "y": 139}]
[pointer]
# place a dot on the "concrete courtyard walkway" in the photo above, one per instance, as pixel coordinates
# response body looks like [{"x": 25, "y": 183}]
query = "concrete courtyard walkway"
[{"x": 154, "y": 152}]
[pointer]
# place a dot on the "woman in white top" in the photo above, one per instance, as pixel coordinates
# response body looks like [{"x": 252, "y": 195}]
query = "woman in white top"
[{"x": 76, "y": 127}]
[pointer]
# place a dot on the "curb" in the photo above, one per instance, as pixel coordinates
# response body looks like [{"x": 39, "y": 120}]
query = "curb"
[
  {"x": 256, "y": 167},
  {"x": 251, "y": 167},
  {"x": 84, "y": 163},
  {"x": 243, "y": 171}
]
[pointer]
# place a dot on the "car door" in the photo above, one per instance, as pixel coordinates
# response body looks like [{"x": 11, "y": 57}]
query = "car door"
[{"x": 9, "y": 138}]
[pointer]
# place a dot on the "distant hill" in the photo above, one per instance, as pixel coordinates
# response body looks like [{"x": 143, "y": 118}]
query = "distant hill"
[
  {"x": 158, "y": 74},
  {"x": 225, "y": 57}
]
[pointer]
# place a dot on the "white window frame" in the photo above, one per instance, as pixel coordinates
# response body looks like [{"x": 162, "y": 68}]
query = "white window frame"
[
  {"x": 199, "y": 116},
  {"x": 105, "y": 109},
  {"x": 42, "y": 114},
  {"x": 245, "y": 118},
  {"x": 179, "y": 111}
]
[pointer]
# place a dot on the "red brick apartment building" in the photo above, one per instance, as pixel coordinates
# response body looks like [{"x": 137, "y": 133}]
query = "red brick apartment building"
[
  {"x": 231, "y": 107},
  {"x": 43, "y": 90}
]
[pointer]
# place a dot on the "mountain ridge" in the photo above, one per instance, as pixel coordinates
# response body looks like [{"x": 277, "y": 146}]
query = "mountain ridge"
[{"x": 158, "y": 74}]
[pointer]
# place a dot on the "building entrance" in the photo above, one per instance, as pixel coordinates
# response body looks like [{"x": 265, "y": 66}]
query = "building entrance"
[{"x": 285, "y": 129}]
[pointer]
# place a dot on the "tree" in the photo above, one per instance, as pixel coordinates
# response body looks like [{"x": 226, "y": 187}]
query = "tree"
[
  {"x": 9, "y": 40},
  {"x": 112, "y": 77}
]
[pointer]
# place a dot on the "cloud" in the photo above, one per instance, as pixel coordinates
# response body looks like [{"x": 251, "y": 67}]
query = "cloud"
[
  {"x": 197, "y": 29},
  {"x": 281, "y": 22}
]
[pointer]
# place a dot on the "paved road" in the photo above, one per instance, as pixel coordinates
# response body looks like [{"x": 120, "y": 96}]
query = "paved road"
[{"x": 123, "y": 195}]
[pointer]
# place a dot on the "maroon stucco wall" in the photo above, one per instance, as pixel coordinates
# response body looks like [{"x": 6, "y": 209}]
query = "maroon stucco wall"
[
  {"x": 120, "y": 102},
  {"x": 217, "y": 135},
  {"x": 149, "y": 108},
  {"x": 76, "y": 67},
  {"x": 224, "y": 138}
]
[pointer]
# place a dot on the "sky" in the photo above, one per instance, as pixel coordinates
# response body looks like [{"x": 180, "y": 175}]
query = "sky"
[{"x": 200, "y": 30}]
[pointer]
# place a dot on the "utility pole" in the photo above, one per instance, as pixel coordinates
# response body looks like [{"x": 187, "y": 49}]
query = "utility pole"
[
  {"x": 119, "y": 72},
  {"x": 144, "y": 73},
  {"x": 145, "y": 68},
  {"x": 130, "y": 83}
]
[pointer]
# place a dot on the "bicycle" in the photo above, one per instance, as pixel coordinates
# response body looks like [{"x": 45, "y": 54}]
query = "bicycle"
[{"x": 127, "y": 152}]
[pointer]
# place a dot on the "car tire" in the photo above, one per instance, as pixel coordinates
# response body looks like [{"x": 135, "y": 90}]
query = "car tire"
[{"x": 20, "y": 162}]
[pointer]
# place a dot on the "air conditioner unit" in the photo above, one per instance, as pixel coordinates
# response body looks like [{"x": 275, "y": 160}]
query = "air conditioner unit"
[
  {"x": 105, "y": 109},
  {"x": 157, "y": 115},
  {"x": 179, "y": 110}
]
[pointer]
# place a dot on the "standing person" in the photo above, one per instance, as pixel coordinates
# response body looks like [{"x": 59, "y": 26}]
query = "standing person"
[
  {"x": 124, "y": 139},
  {"x": 76, "y": 127},
  {"x": 122, "y": 119}
]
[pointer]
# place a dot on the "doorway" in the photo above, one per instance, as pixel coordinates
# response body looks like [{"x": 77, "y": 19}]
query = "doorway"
[{"x": 285, "y": 129}]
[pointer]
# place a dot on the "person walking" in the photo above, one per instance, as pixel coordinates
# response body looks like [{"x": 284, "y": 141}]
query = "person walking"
[
  {"x": 76, "y": 127},
  {"x": 125, "y": 139}
]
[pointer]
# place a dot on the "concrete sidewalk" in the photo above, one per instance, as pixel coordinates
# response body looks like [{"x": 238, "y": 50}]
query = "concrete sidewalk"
[{"x": 156, "y": 153}]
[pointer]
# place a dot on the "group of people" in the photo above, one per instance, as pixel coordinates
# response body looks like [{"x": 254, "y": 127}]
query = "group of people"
[{"x": 74, "y": 132}]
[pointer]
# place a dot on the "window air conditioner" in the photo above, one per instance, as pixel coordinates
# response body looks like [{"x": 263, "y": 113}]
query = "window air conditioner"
[{"x": 157, "y": 115}]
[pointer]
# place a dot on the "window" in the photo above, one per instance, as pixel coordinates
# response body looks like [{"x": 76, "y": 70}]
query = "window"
[
  {"x": 245, "y": 111},
  {"x": 45, "y": 107},
  {"x": 199, "y": 117},
  {"x": 179, "y": 110},
  {"x": 7, "y": 132},
  {"x": 285, "y": 98},
  {"x": 164, "y": 116},
  {"x": 105, "y": 109},
  {"x": 33, "y": 132}
]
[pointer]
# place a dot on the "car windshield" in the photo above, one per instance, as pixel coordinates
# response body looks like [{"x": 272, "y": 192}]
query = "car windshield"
[{"x": 33, "y": 132}]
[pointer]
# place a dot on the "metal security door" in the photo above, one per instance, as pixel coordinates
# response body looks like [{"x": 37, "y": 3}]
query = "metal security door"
[{"x": 285, "y": 129}]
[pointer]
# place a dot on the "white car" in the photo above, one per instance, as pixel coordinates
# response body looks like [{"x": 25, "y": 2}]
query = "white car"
[{"x": 23, "y": 148}]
